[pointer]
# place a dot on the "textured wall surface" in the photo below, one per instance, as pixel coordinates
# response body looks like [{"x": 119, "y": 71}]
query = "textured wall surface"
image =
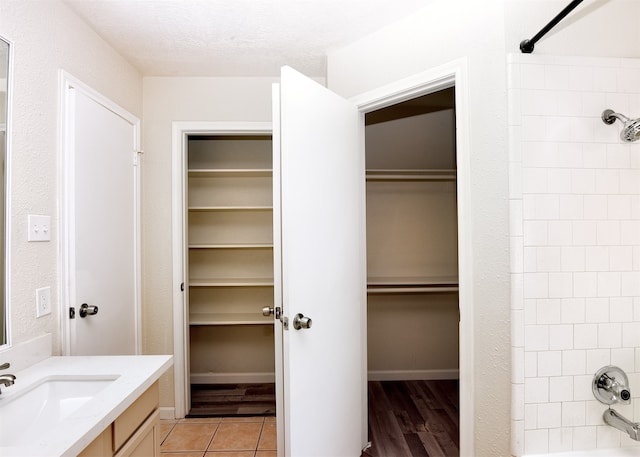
[
  {"x": 47, "y": 36},
  {"x": 167, "y": 100},
  {"x": 575, "y": 248}
]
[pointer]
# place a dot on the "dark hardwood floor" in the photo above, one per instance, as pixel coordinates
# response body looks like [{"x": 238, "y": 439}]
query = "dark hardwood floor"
[
  {"x": 413, "y": 418},
  {"x": 220, "y": 400},
  {"x": 406, "y": 418}
]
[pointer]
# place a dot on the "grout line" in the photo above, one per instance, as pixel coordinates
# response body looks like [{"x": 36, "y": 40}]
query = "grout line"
[
  {"x": 204, "y": 453},
  {"x": 259, "y": 436},
  {"x": 168, "y": 433},
  {"x": 211, "y": 439}
]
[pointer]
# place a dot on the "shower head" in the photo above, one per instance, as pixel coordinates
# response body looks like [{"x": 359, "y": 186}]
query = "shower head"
[{"x": 630, "y": 129}]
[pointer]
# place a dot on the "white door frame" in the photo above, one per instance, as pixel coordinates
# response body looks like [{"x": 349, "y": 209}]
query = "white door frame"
[
  {"x": 454, "y": 73},
  {"x": 66, "y": 210},
  {"x": 180, "y": 132}
]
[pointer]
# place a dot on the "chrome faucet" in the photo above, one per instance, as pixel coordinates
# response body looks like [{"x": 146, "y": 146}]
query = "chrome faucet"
[
  {"x": 6, "y": 379},
  {"x": 611, "y": 385},
  {"x": 614, "y": 419}
]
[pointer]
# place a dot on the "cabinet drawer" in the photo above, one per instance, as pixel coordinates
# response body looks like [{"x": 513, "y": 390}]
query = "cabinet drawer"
[
  {"x": 144, "y": 442},
  {"x": 129, "y": 421}
]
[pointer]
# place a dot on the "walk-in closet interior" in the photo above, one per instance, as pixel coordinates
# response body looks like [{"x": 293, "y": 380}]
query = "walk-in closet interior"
[
  {"x": 230, "y": 252},
  {"x": 412, "y": 250}
]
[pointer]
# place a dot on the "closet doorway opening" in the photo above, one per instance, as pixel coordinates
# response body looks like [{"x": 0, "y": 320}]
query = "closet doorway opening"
[
  {"x": 229, "y": 261},
  {"x": 412, "y": 277}
]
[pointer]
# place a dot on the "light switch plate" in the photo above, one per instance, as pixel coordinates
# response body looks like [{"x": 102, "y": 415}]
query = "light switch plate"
[
  {"x": 38, "y": 228},
  {"x": 43, "y": 301}
]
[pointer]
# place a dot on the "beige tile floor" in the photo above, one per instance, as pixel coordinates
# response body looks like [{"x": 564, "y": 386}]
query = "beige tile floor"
[{"x": 218, "y": 437}]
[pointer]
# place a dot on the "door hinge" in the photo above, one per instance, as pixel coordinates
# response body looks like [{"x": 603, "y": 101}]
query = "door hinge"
[
  {"x": 72, "y": 313},
  {"x": 182, "y": 287}
]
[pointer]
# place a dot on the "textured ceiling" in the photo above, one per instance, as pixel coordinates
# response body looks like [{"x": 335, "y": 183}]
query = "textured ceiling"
[{"x": 235, "y": 37}]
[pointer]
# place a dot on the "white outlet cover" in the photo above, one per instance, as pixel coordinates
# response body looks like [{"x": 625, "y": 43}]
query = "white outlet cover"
[
  {"x": 38, "y": 228},
  {"x": 43, "y": 301}
]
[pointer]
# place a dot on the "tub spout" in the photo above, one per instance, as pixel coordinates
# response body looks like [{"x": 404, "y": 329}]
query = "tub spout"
[{"x": 616, "y": 420}]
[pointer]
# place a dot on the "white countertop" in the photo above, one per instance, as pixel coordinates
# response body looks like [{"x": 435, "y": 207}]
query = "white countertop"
[{"x": 134, "y": 375}]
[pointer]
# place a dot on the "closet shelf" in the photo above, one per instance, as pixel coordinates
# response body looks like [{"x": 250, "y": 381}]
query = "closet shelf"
[
  {"x": 231, "y": 282},
  {"x": 411, "y": 280},
  {"x": 230, "y": 172},
  {"x": 410, "y": 175},
  {"x": 232, "y": 246},
  {"x": 404, "y": 285},
  {"x": 410, "y": 289},
  {"x": 229, "y": 319},
  {"x": 231, "y": 208}
]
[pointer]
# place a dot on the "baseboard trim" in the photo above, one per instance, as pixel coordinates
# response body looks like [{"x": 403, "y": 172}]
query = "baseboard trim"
[
  {"x": 413, "y": 375},
  {"x": 231, "y": 378},
  {"x": 167, "y": 412}
]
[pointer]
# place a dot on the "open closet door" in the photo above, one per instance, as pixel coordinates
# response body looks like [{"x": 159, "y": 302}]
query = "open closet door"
[{"x": 319, "y": 220}]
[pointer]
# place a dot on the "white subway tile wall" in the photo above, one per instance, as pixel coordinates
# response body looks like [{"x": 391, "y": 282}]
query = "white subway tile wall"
[{"x": 575, "y": 248}]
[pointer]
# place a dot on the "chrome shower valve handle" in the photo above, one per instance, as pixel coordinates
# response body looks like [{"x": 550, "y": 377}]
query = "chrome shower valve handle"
[{"x": 611, "y": 385}]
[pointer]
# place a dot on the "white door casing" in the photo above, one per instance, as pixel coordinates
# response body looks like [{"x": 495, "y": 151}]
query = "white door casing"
[
  {"x": 99, "y": 224},
  {"x": 454, "y": 73},
  {"x": 181, "y": 130},
  {"x": 320, "y": 165}
]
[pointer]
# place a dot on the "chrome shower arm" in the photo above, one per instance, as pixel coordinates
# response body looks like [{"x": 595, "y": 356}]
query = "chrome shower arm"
[{"x": 609, "y": 117}]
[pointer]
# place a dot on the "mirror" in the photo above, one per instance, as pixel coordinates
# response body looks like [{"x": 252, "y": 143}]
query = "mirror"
[{"x": 4, "y": 116}]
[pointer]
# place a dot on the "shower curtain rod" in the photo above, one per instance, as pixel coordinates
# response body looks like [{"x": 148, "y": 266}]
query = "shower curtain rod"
[{"x": 526, "y": 46}]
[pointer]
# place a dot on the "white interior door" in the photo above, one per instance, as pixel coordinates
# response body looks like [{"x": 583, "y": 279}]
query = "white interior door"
[
  {"x": 319, "y": 166},
  {"x": 102, "y": 241}
]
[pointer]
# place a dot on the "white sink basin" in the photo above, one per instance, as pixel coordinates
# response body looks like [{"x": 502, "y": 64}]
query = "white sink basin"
[{"x": 39, "y": 407}]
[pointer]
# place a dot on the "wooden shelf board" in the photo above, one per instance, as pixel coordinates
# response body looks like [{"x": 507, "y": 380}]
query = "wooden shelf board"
[
  {"x": 231, "y": 172},
  {"x": 409, "y": 284},
  {"x": 232, "y": 246},
  {"x": 232, "y": 282},
  {"x": 231, "y": 208},
  {"x": 229, "y": 319},
  {"x": 410, "y": 290},
  {"x": 410, "y": 175},
  {"x": 412, "y": 281}
]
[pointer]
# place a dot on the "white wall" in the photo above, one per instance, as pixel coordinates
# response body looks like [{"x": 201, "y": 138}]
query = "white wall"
[
  {"x": 167, "y": 100},
  {"x": 607, "y": 28},
  {"x": 48, "y": 36},
  {"x": 483, "y": 32}
]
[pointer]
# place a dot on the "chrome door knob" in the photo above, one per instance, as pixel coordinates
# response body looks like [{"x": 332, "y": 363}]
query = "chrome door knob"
[
  {"x": 88, "y": 310},
  {"x": 300, "y": 322},
  {"x": 268, "y": 311}
]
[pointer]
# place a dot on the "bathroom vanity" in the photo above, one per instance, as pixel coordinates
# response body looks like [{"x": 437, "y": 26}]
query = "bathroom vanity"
[{"x": 83, "y": 406}]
